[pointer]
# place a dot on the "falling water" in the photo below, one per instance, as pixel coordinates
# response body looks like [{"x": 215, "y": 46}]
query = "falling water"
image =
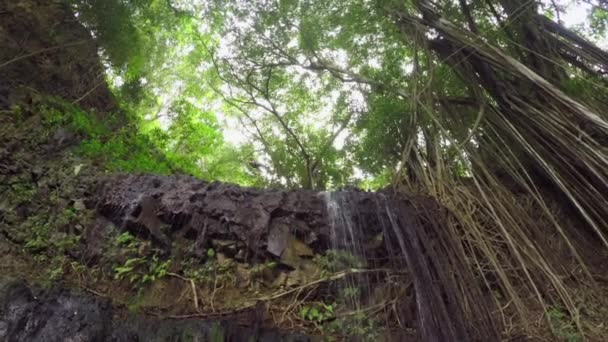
[
  {"x": 434, "y": 321},
  {"x": 346, "y": 235},
  {"x": 439, "y": 276}
]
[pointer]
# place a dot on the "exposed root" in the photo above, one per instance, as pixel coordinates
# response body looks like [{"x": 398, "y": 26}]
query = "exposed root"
[
  {"x": 269, "y": 298},
  {"x": 192, "y": 286}
]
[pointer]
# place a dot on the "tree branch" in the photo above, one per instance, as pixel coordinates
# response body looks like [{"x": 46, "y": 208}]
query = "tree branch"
[
  {"x": 49, "y": 49},
  {"x": 464, "y": 7},
  {"x": 597, "y": 55}
]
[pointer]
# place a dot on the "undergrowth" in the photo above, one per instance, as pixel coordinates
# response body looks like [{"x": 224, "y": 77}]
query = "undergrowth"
[
  {"x": 123, "y": 149},
  {"x": 562, "y": 325},
  {"x": 358, "y": 326},
  {"x": 212, "y": 272},
  {"x": 127, "y": 142},
  {"x": 136, "y": 262}
]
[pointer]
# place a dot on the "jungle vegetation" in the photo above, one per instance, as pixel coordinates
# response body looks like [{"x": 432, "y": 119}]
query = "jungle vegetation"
[{"x": 494, "y": 107}]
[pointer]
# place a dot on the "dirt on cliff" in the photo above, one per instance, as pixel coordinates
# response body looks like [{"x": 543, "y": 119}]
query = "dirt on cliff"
[{"x": 46, "y": 51}]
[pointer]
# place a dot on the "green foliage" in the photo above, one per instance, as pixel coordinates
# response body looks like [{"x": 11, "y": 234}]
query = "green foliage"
[
  {"x": 118, "y": 150},
  {"x": 336, "y": 260},
  {"x": 158, "y": 48},
  {"x": 299, "y": 74},
  {"x": 212, "y": 272},
  {"x": 124, "y": 239},
  {"x": 136, "y": 36},
  {"x": 127, "y": 153},
  {"x": 154, "y": 50},
  {"x": 55, "y": 268},
  {"x": 353, "y": 325},
  {"x": 349, "y": 294},
  {"x": 562, "y": 325},
  {"x": 317, "y": 313},
  {"x": 110, "y": 19},
  {"x": 381, "y": 131},
  {"x": 356, "y": 326},
  {"x": 599, "y": 21},
  {"x": 41, "y": 240},
  {"x": 57, "y": 113},
  {"x": 294, "y": 76},
  {"x": 128, "y": 268},
  {"x": 191, "y": 145},
  {"x": 141, "y": 271},
  {"x": 140, "y": 266},
  {"x": 216, "y": 333},
  {"x": 56, "y": 271},
  {"x": 136, "y": 302},
  {"x": 377, "y": 182},
  {"x": 45, "y": 232},
  {"x": 45, "y": 239},
  {"x": 22, "y": 192}
]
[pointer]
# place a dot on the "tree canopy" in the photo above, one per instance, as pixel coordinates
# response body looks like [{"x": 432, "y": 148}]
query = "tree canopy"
[{"x": 329, "y": 94}]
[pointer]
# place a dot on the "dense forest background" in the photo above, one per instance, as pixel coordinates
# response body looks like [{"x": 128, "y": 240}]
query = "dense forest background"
[
  {"x": 494, "y": 109},
  {"x": 325, "y": 95}
]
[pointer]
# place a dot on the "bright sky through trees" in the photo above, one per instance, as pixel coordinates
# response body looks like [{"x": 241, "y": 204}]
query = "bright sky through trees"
[
  {"x": 292, "y": 85},
  {"x": 574, "y": 15}
]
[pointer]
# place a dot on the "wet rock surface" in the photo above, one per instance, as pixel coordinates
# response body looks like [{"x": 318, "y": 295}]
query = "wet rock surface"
[
  {"x": 28, "y": 314},
  {"x": 235, "y": 219}
]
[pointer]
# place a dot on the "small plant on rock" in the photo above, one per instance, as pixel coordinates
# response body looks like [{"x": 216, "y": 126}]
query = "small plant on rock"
[
  {"x": 142, "y": 271},
  {"x": 212, "y": 272},
  {"x": 138, "y": 268},
  {"x": 317, "y": 313},
  {"x": 336, "y": 260}
]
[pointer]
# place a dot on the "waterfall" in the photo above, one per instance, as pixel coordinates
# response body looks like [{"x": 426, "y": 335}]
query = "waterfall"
[
  {"x": 434, "y": 321},
  {"x": 346, "y": 236},
  {"x": 444, "y": 291}
]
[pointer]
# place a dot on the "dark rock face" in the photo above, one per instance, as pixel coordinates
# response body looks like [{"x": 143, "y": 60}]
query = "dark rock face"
[
  {"x": 33, "y": 315},
  {"x": 161, "y": 207},
  {"x": 30, "y": 316},
  {"x": 44, "y": 48}
]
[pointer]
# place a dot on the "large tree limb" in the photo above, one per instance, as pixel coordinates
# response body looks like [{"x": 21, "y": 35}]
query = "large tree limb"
[{"x": 596, "y": 54}]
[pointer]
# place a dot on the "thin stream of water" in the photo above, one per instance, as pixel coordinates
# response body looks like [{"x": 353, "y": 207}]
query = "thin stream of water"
[
  {"x": 346, "y": 237},
  {"x": 434, "y": 321}
]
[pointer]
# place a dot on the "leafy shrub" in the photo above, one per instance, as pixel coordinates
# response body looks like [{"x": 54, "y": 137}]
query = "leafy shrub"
[
  {"x": 317, "y": 313},
  {"x": 192, "y": 144},
  {"x": 137, "y": 268},
  {"x": 141, "y": 271}
]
